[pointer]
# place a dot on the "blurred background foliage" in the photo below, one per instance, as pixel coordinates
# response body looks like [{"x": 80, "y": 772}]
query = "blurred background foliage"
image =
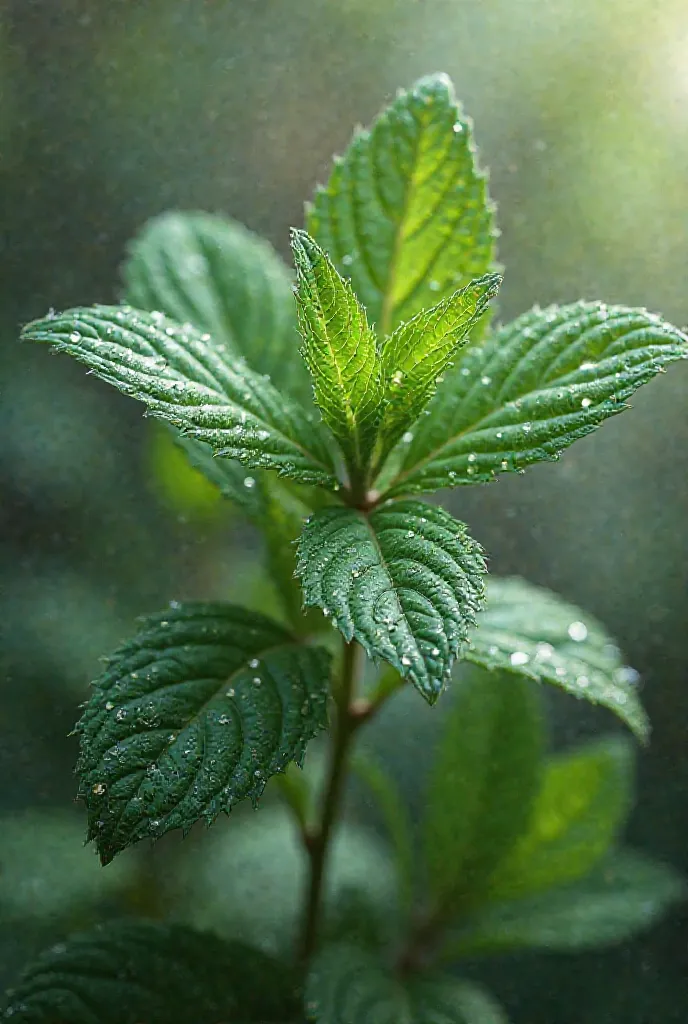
[{"x": 111, "y": 113}]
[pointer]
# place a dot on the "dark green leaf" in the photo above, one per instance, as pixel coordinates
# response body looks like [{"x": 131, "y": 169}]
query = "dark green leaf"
[
  {"x": 47, "y": 873},
  {"x": 247, "y": 880},
  {"x": 228, "y": 475},
  {"x": 405, "y": 213},
  {"x": 421, "y": 349},
  {"x": 348, "y": 986},
  {"x": 533, "y": 388},
  {"x": 405, "y": 582},
  {"x": 214, "y": 273},
  {"x": 339, "y": 349},
  {"x": 582, "y": 805},
  {"x": 128, "y": 972},
  {"x": 622, "y": 896},
  {"x": 531, "y": 632},
  {"x": 192, "y": 715},
  {"x": 189, "y": 380},
  {"x": 484, "y": 780}
]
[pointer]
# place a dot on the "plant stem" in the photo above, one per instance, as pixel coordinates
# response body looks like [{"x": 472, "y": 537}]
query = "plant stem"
[{"x": 318, "y": 841}]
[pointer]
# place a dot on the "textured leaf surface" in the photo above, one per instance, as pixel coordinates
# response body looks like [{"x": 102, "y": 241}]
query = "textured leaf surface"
[
  {"x": 483, "y": 783},
  {"x": 533, "y": 388},
  {"x": 46, "y": 873},
  {"x": 581, "y": 807},
  {"x": 128, "y": 972},
  {"x": 339, "y": 349},
  {"x": 348, "y": 985},
  {"x": 531, "y": 632},
  {"x": 195, "y": 713},
  {"x": 228, "y": 475},
  {"x": 405, "y": 582},
  {"x": 421, "y": 349},
  {"x": 621, "y": 897},
  {"x": 186, "y": 378},
  {"x": 263, "y": 869},
  {"x": 405, "y": 213},
  {"x": 214, "y": 273}
]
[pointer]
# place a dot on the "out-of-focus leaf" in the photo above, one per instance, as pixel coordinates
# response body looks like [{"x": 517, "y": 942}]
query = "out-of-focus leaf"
[
  {"x": 484, "y": 780},
  {"x": 622, "y": 896},
  {"x": 348, "y": 985},
  {"x": 582, "y": 804},
  {"x": 127, "y": 972}
]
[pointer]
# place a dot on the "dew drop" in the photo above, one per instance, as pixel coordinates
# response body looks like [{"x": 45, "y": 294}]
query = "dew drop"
[
  {"x": 578, "y": 631},
  {"x": 405, "y": 660},
  {"x": 109, "y": 706},
  {"x": 486, "y": 380},
  {"x": 407, "y": 437},
  {"x": 434, "y": 286},
  {"x": 231, "y": 692},
  {"x": 347, "y": 259},
  {"x": 519, "y": 658},
  {"x": 254, "y": 663},
  {"x": 249, "y": 482},
  {"x": 586, "y": 403}
]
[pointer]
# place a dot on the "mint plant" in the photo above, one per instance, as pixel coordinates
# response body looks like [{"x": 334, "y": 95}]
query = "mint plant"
[{"x": 403, "y": 386}]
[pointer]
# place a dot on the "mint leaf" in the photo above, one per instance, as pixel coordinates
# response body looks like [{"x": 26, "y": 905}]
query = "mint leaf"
[
  {"x": 404, "y": 581},
  {"x": 192, "y": 715},
  {"x": 126, "y": 972},
  {"x": 186, "y": 378},
  {"x": 348, "y": 985},
  {"x": 532, "y": 389},
  {"x": 484, "y": 780},
  {"x": 421, "y": 349},
  {"x": 47, "y": 874},
  {"x": 263, "y": 872},
  {"x": 531, "y": 632},
  {"x": 214, "y": 273},
  {"x": 582, "y": 805},
  {"x": 228, "y": 475},
  {"x": 339, "y": 349},
  {"x": 622, "y": 896},
  {"x": 405, "y": 213}
]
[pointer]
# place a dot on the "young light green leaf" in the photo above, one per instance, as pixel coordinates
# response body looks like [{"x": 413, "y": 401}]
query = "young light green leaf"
[
  {"x": 186, "y": 378},
  {"x": 404, "y": 581},
  {"x": 130, "y": 971},
  {"x": 348, "y": 985},
  {"x": 405, "y": 213},
  {"x": 228, "y": 475},
  {"x": 583, "y": 803},
  {"x": 622, "y": 896},
  {"x": 532, "y": 389},
  {"x": 47, "y": 874},
  {"x": 214, "y": 273},
  {"x": 421, "y": 349},
  {"x": 529, "y": 631},
  {"x": 339, "y": 349},
  {"x": 192, "y": 715},
  {"x": 484, "y": 780}
]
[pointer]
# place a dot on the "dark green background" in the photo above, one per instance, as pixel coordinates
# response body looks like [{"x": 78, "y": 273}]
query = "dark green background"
[{"x": 112, "y": 112}]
